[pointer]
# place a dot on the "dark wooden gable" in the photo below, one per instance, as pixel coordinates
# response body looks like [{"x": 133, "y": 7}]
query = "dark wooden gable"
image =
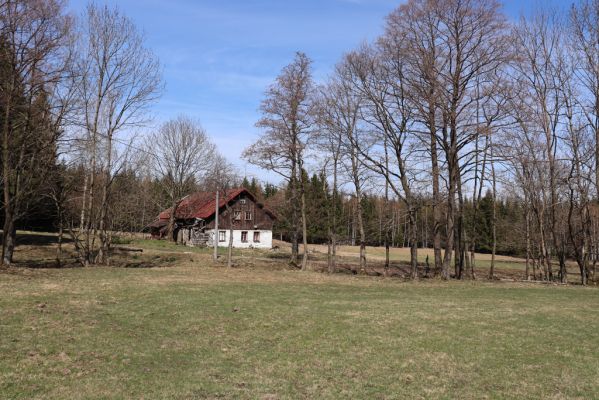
[{"x": 243, "y": 213}]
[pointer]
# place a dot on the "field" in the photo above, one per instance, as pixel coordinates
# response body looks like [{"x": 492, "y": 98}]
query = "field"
[
  {"x": 403, "y": 254},
  {"x": 186, "y": 328}
]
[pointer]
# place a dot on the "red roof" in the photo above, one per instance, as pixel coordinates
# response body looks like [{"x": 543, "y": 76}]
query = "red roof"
[{"x": 202, "y": 204}]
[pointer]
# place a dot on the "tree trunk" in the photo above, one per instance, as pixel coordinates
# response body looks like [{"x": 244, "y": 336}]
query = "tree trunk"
[
  {"x": 230, "y": 247},
  {"x": 436, "y": 209},
  {"x": 294, "y": 247},
  {"x": 333, "y": 223},
  {"x": 361, "y": 232},
  {"x": 59, "y": 239},
  {"x": 9, "y": 239},
  {"x": 216, "y": 226},
  {"x": 460, "y": 227},
  {"x": 545, "y": 253},
  {"x": 449, "y": 243},
  {"x": 170, "y": 230},
  {"x": 413, "y": 244},
  {"x": 103, "y": 255},
  {"x": 528, "y": 253},
  {"x": 294, "y": 217},
  {"x": 386, "y": 256},
  {"x": 304, "y": 230},
  {"x": 329, "y": 253},
  {"x": 493, "y": 219},
  {"x": 386, "y": 268}
]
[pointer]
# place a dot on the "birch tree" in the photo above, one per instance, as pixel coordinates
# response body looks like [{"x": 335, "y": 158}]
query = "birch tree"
[{"x": 119, "y": 79}]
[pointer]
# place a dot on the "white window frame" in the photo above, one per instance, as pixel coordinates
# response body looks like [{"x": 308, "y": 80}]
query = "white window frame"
[
  {"x": 256, "y": 236},
  {"x": 246, "y": 236},
  {"x": 222, "y": 236}
]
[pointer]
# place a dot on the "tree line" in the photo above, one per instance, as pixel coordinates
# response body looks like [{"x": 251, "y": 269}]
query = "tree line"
[
  {"x": 456, "y": 129},
  {"x": 453, "y": 107}
]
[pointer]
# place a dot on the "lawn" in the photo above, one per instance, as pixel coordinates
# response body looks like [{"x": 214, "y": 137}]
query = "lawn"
[{"x": 196, "y": 331}]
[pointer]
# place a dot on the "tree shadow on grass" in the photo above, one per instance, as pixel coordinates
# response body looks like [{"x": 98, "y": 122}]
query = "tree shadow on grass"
[
  {"x": 39, "y": 239},
  {"x": 46, "y": 263}
]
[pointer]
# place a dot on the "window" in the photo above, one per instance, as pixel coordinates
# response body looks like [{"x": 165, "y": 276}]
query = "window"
[
  {"x": 222, "y": 236},
  {"x": 237, "y": 215},
  {"x": 256, "y": 237},
  {"x": 244, "y": 237},
  {"x": 241, "y": 201},
  {"x": 248, "y": 216}
]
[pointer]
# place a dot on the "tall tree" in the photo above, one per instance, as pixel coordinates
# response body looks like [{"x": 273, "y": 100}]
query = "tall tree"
[
  {"x": 584, "y": 39},
  {"x": 475, "y": 43},
  {"x": 329, "y": 141},
  {"x": 34, "y": 63},
  {"x": 377, "y": 75},
  {"x": 119, "y": 79},
  {"x": 540, "y": 73},
  {"x": 340, "y": 111},
  {"x": 414, "y": 29},
  {"x": 181, "y": 154},
  {"x": 287, "y": 121}
]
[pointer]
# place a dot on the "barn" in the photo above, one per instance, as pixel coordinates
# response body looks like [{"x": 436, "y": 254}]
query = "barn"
[{"x": 238, "y": 209}]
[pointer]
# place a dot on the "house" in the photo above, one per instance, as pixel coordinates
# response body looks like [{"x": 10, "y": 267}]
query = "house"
[{"x": 250, "y": 220}]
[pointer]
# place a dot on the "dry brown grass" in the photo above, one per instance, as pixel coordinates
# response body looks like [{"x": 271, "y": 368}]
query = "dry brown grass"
[{"x": 400, "y": 254}]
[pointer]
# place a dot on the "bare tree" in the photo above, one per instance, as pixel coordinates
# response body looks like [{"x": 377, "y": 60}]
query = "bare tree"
[
  {"x": 579, "y": 147},
  {"x": 475, "y": 44},
  {"x": 541, "y": 68},
  {"x": 181, "y": 155},
  {"x": 340, "y": 118},
  {"x": 330, "y": 142},
  {"x": 377, "y": 75},
  {"x": 119, "y": 79},
  {"x": 584, "y": 39},
  {"x": 414, "y": 28},
  {"x": 445, "y": 51},
  {"x": 287, "y": 120}
]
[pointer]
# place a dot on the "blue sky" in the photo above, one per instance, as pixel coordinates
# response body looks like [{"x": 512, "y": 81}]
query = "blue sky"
[{"x": 219, "y": 55}]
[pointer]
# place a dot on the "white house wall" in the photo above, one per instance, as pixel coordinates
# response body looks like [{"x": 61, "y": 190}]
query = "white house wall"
[{"x": 264, "y": 243}]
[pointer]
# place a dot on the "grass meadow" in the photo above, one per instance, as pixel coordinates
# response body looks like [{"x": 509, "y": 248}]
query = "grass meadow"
[{"x": 186, "y": 328}]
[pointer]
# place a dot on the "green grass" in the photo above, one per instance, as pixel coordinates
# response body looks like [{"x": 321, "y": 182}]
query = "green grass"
[{"x": 199, "y": 332}]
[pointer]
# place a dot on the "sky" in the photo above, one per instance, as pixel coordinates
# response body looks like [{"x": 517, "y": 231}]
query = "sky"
[{"x": 219, "y": 56}]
